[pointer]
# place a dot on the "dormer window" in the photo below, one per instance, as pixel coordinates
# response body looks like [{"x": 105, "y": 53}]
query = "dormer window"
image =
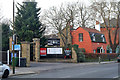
[
  {"x": 93, "y": 37},
  {"x": 103, "y": 38}
]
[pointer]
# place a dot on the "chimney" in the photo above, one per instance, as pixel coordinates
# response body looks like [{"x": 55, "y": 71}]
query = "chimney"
[{"x": 97, "y": 26}]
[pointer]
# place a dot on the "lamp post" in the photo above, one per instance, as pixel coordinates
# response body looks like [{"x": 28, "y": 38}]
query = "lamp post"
[{"x": 13, "y": 41}]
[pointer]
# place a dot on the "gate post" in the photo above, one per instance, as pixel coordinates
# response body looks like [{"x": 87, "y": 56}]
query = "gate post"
[
  {"x": 26, "y": 52},
  {"x": 37, "y": 48}
]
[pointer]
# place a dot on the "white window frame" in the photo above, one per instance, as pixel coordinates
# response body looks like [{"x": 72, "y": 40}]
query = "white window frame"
[
  {"x": 93, "y": 36},
  {"x": 80, "y": 37}
]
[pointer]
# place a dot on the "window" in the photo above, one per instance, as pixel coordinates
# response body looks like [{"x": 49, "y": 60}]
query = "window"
[
  {"x": 80, "y": 37},
  {"x": 93, "y": 37},
  {"x": 103, "y": 38}
]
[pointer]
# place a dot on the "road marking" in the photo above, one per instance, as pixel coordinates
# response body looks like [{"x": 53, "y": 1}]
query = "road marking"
[
  {"x": 116, "y": 77},
  {"x": 65, "y": 77}
]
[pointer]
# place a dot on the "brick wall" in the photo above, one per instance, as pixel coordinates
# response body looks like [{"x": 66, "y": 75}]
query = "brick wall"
[{"x": 86, "y": 39}]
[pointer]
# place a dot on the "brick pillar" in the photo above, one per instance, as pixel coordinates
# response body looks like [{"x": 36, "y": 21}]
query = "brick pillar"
[
  {"x": 37, "y": 49},
  {"x": 26, "y": 52},
  {"x": 10, "y": 44}
]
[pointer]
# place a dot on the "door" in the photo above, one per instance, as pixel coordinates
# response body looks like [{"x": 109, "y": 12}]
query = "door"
[{"x": 1, "y": 65}]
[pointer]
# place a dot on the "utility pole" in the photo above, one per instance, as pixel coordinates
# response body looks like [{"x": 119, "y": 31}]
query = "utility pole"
[{"x": 13, "y": 42}]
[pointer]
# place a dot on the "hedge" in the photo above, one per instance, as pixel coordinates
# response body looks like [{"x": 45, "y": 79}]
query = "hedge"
[{"x": 104, "y": 57}]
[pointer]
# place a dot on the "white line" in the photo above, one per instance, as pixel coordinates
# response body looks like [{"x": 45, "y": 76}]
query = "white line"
[{"x": 65, "y": 77}]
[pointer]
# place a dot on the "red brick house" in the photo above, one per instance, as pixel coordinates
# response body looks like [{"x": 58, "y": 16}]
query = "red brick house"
[{"x": 92, "y": 40}]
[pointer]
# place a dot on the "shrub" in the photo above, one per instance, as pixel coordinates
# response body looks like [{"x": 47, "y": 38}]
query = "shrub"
[
  {"x": 75, "y": 46},
  {"x": 81, "y": 50},
  {"x": 104, "y": 57},
  {"x": 80, "y": 55}
]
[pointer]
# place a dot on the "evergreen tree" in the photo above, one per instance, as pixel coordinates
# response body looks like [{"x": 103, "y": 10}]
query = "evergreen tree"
[
  {"x": 27, "y": 24},
  {"x": 5, "y": 36}
]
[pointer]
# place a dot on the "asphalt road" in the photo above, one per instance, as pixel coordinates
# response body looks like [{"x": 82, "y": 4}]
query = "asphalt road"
[{"x": 90, "y": 71}]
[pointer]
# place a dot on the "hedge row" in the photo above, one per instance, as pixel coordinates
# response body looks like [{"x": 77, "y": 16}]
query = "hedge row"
[{"x": 103, "y": 56}]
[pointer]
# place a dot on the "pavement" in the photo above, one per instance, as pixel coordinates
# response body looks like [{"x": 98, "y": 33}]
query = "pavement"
[{"x": 38, "y": 67}]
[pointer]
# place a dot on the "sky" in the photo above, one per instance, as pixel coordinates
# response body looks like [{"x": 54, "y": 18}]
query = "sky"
[{"x": 6, "y": 6}]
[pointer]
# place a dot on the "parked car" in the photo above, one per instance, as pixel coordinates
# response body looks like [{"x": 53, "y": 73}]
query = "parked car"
[
  {"x": 4, "y": 70},
  {"x": 118, "y": 58}
]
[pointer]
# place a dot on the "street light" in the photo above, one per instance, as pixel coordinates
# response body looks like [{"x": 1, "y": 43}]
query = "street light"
[{"x": 13, "y": 41}]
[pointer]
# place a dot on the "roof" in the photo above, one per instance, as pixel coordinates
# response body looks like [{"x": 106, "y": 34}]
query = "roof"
[
  {"x": 91, "y": 30},
  {"x": 54, "y": 36}
]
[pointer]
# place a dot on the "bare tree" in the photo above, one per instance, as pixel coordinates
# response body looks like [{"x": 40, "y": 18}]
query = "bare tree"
[
  {"x": 107, "y": 11},
  {"x": 65, "y": 18},
  {"x": 0, "y": 16}
]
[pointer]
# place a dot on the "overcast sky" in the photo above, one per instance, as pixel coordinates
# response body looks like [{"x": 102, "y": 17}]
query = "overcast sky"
[{"x": 6, "y": 6}]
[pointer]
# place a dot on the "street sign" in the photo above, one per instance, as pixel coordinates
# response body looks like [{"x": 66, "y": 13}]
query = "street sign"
[{"x": 16, "y": 47}]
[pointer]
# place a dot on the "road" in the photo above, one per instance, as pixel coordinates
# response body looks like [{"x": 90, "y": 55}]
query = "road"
[{"x": 90, "y": 71}]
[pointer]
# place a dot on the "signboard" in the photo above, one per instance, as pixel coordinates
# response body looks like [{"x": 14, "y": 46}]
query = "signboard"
[
  {"x": 67, "y": 52},
  {"x": 16, "y": 47},
  {"x": 53, "y": 42},
  {"x": 54, "y": 50},
  {"x": 43, "y": 51}
]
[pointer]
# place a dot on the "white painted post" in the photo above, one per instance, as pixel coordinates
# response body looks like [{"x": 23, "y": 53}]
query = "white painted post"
[
  {"x": 19, "y": 58},
  {"x": 8, "y": 57}
]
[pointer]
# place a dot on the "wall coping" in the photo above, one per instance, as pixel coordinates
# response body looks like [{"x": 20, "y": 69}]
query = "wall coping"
[
  {"x": 25, "y": 42},
  {"x": 36, "y": 39}
]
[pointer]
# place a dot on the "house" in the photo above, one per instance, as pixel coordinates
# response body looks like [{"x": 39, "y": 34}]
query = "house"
[{"x": 92, "y": 40}]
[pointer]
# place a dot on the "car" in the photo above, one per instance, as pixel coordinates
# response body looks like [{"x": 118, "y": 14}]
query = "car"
[
  {"x": 118, "y": 58},
  {"x": 4, "y": 70}
]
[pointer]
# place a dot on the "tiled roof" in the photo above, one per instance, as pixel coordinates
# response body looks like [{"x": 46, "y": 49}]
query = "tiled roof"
[{"x": 91, "y": 30}]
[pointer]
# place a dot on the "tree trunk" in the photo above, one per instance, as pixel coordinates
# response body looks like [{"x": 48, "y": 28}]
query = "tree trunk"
[{"x": 114, "y": 48}]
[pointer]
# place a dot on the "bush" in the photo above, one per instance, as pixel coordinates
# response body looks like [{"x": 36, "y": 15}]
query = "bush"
[
  {"x": 81, "y": 50},
  {"x": 75, "y": 46},
  {"x": 104, "y": 57},
  {"x": 80, "y": 55}
]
